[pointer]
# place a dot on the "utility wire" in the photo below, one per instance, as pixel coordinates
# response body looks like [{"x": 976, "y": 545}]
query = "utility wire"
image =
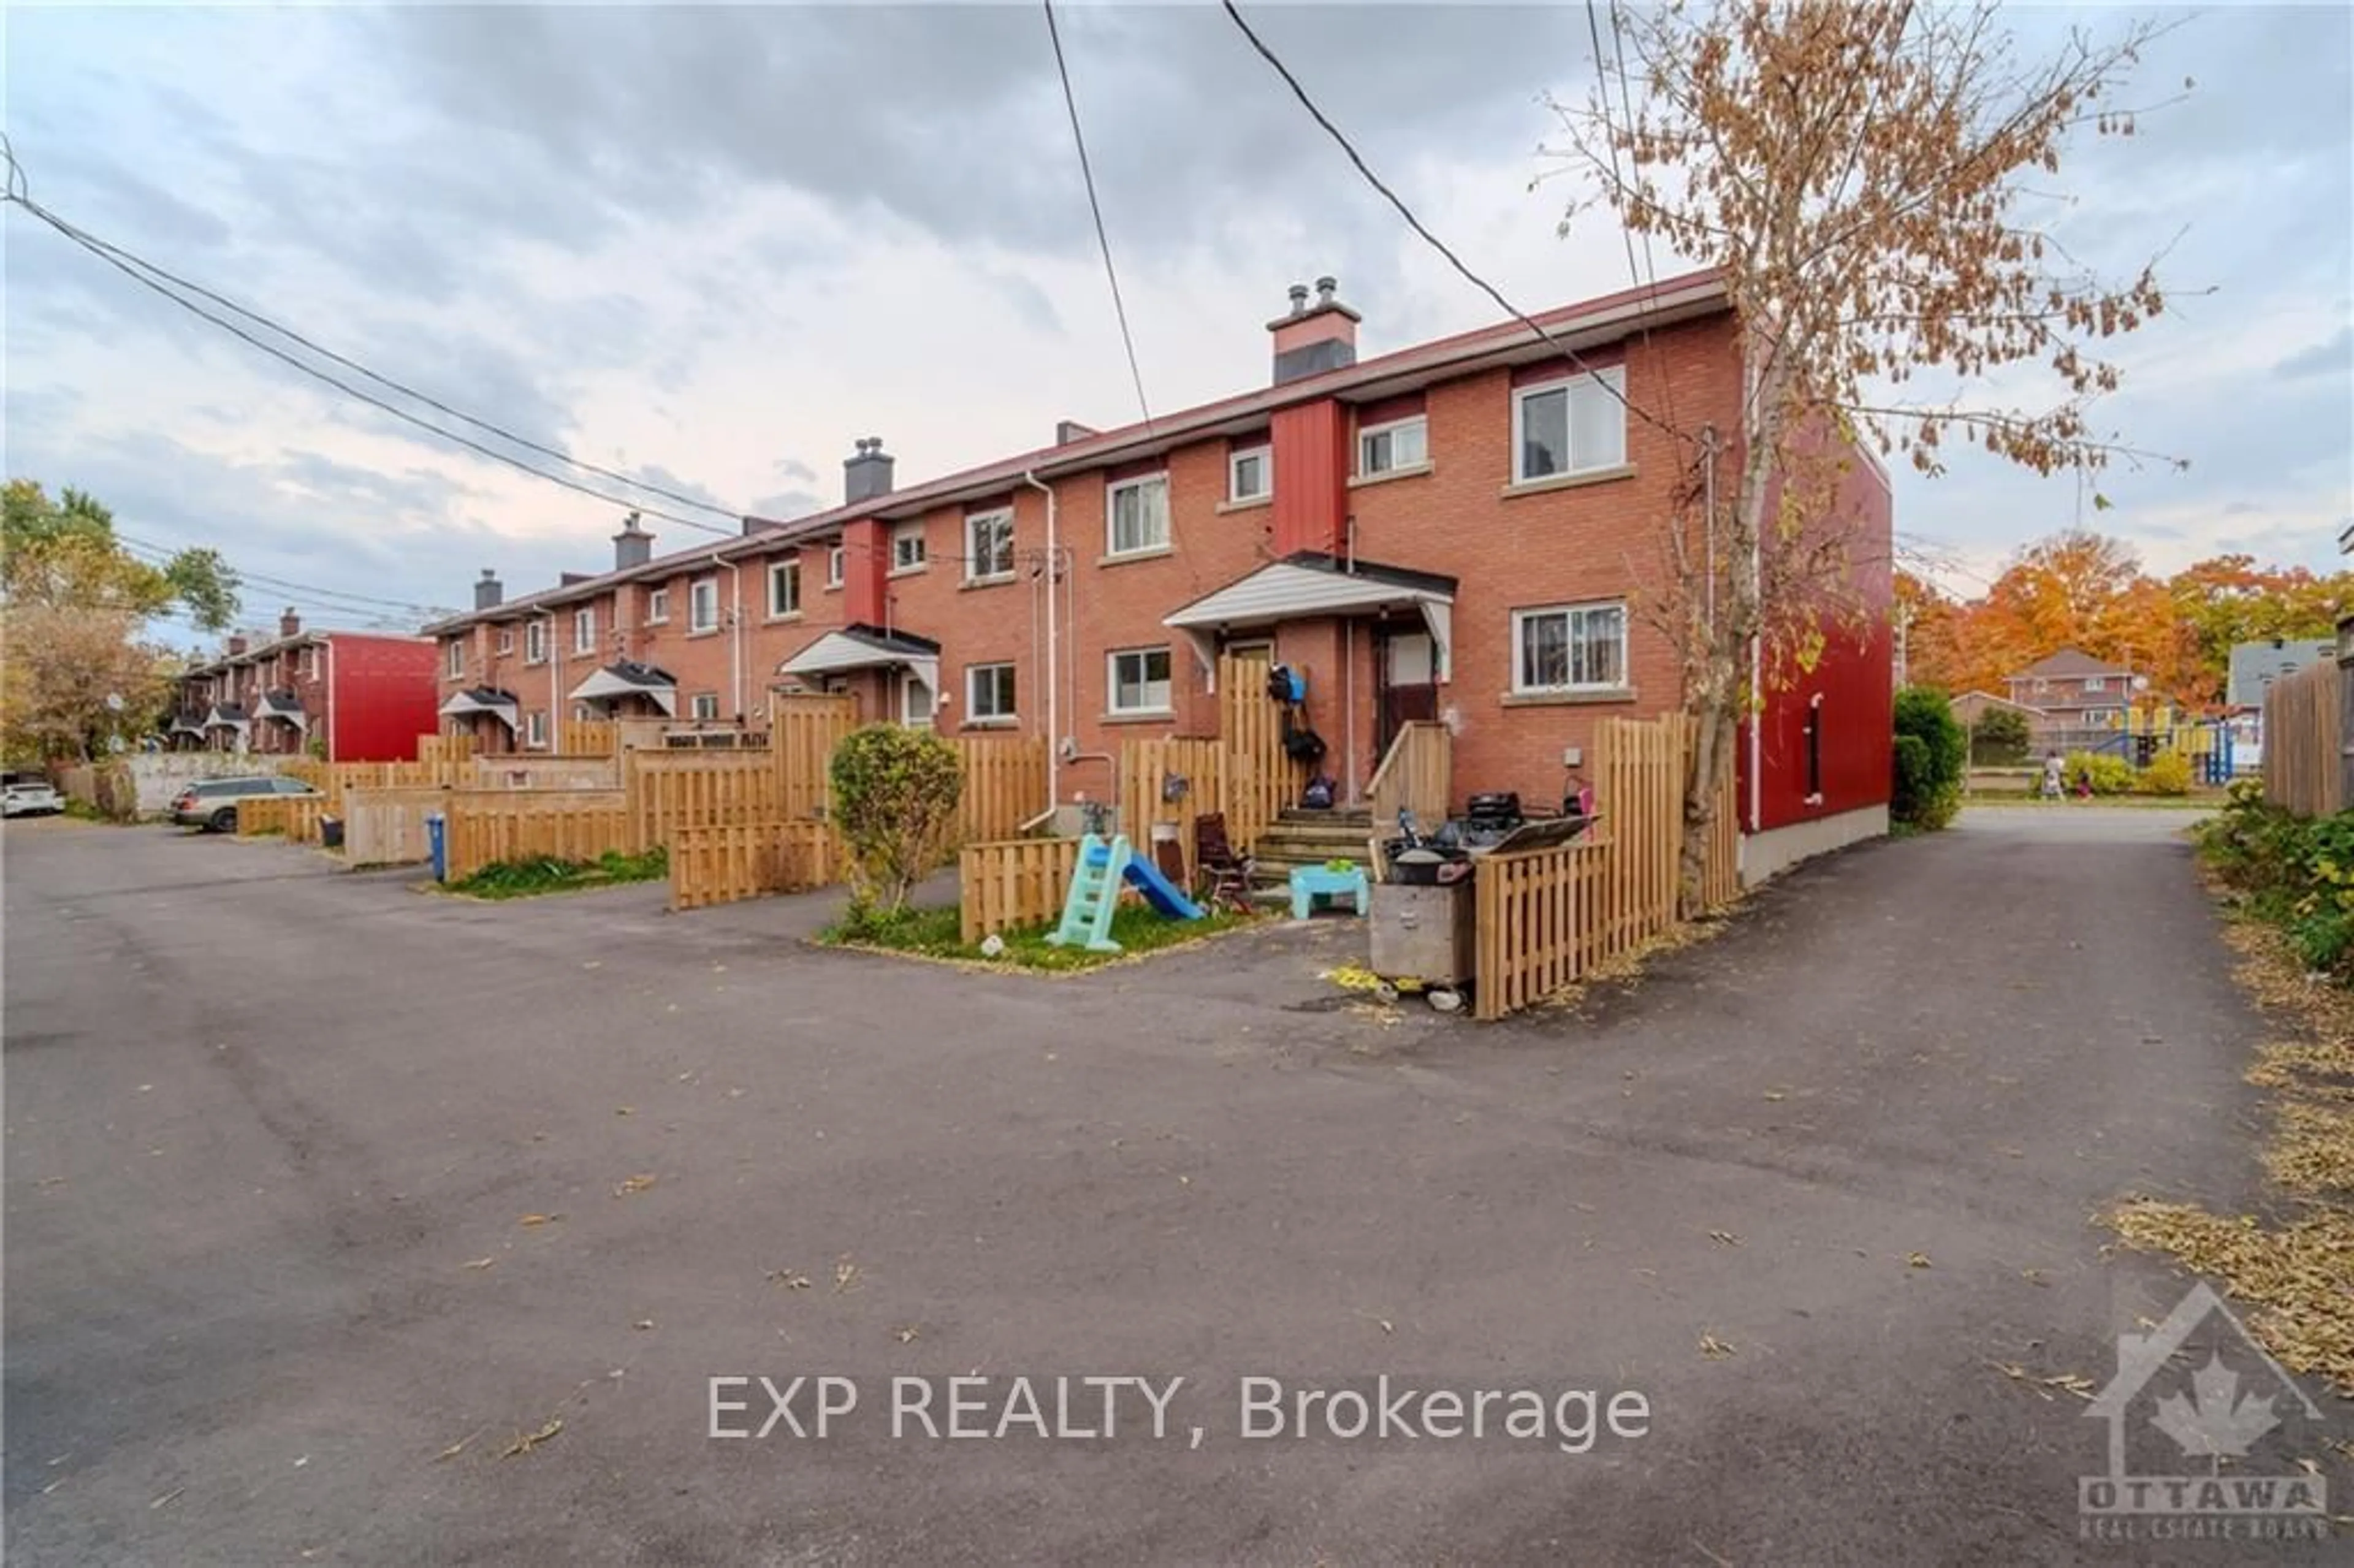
[
  {"x": 1484, "y": 287},
  {"x": 1649, "y": 277},
  {"x": 129, "y": 268},
  {"x": 1087, "y": 172},
  {"x": 303, "y": 593}
]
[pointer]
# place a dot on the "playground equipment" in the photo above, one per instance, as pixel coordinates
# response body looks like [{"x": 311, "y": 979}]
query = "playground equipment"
[{"x": 1095, "y": 894}]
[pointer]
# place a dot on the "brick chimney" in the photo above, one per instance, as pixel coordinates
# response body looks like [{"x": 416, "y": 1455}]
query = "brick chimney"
[
  {"x": 288, "y": 623},
  {"x": 237, "y": 645},
  {"x": 867, "y": 474},
  {"x": 490, "y": 591},
  {"x": 632, "y": 546},
  {"x": 1069, "y": 431},
  {"x": 1315, "y": 337}
]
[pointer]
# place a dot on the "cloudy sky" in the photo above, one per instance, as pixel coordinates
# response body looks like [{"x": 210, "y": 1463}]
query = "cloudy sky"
[{"x": 711, "y": 248}]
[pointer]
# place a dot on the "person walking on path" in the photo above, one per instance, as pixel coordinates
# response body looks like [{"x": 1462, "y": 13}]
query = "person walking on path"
[{"x": 2053, "y": 771}]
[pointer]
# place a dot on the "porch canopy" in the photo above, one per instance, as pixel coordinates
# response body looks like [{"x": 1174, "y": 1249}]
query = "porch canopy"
[
  {"x": 187, "y": 724},
  {"x": 500, "y": 706},
  {"x": 284, "y": 705},
  {"x": 1311, "y": 584},
  {"x": 859, "y": 646},
  {"x": 227, "y": 716},
  {"x": 629, "y": 679}
]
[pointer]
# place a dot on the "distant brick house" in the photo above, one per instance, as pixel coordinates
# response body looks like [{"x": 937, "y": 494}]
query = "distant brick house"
[
  {"x": 1453, "y": 531},
  {"x": 2073, "y": 691},
  {"x": 350, "y": 696}
]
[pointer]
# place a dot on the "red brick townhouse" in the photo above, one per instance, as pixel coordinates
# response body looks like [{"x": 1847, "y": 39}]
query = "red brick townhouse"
[
  {"x": 1460, "y": 530},
  {"x": 350, "y": 696}
]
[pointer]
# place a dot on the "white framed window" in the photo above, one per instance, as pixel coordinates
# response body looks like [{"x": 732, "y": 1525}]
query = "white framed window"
[
  {"x": 988, "y": 545},
  {"x": 916, "y": 702},
  {"x": 584, "y": 631},
  {"x": 703, "y": 605},
  {"x": 307, "y": 663},
  {"x": 784, "y": 587},
  {"x": 535, "y": 642},
  {"x": 1400, "y": 444},
  {"x": 988, "y": 693},
  {"x": 704, "y": 706},
  {"x": 657, "y": 606},
  {"x": 834, "y": 566},
  {"x": 534, "y": 729},
  {"x": 457, "y": 658},
  {"x": 582, "y": 713},
  {"x": 506, "y": 642},
  {"x": 1569, "y": 648},
  {"x": 1574, "y": 426},
  {"x": 907, "y": 547},
  {"x": 2095, "y": 684},
  {"x": 1140, "y": 681},
  {"x": 1250, "y": 474},
  {"x": 1135, "y": 516}
]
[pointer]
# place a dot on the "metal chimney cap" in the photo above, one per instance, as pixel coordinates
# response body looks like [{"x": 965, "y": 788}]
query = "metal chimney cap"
[
  {"x": 490, "y": 574},
  {"x": 1299, "y": 298},
  {"x": 1324, "y": 287}
]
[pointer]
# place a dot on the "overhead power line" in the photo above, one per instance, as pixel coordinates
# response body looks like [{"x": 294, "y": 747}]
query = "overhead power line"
[
  {"x": 147, "y": 276},
  {"x": 160, "y": 555},
  {"x": 1406, "y": 212},
  {"x": 1087, "y": 172}
]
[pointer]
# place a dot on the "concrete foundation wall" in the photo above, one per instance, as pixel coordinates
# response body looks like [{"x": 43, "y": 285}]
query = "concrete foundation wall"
[{"x": 1768, "y": 854}]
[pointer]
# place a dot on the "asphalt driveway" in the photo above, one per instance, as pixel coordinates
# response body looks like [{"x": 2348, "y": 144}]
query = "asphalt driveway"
[{"x": 324, "y": 1196}]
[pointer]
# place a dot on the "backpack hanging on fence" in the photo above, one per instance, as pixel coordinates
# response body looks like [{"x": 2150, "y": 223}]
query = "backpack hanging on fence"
[{"x": 1300, "y": 743}]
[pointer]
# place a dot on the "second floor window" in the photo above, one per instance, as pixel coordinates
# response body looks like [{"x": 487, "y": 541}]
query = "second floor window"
[
  {"x": 584, "y": 632},
  {"x": 1137, "y": 515},
  {"x": 1249, "y": 475},
  {"x": 1578, "y": 426},
  {"x": 535, "y": 642},
  {"x": 988, "y": 545},
  {"x": 657, "y": 606},
  {"x": 2095, "y": 684},
  {"x": 907, "y": 547},
  {"x": 703, "y": 605},
  {"x": 1387, "y": 449},
  {"x": 506, "y": 642},
  {"x": 784, "y": 587},
  {"x": 834, "y": 566},
  {"x": 457, "y": 660}
]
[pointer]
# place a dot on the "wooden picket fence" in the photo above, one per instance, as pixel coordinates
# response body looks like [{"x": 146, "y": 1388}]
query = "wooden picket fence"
[
  {"x": 1004, "y": 785},
  {"x": 2304, "y": 761},
  {"x": 673, "y": 790},
  {"x": 803, "y": 730},
  {"x": 1258, "y": 777},
  {"x": 588, "y": 737},
  {"x": 723, "y": 864},
  {"x": 1151, "y": 771},
  {"x": 1547, "y": 918},
  {"x": 1416, "y": 774},
  {"x": 489, "y": 826},
  {"x": 386, "y": 827},
  {"x": 542, "y": 770},
  {"x": 1016, "y": 883}
]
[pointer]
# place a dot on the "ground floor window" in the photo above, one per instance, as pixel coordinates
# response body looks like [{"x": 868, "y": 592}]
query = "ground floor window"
[
  {"x": 1569, "y": 648},
  {"x": 1140, "y": 681},
  {"x": 535, "y": 728},
  {"x": 705, "y": 706},
  {"x": 989, "y": 692},
  {"x": 915, "y": 704}
]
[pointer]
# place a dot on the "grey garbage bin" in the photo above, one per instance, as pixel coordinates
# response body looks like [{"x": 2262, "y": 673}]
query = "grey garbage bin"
[{"x": 330, "y": 833}]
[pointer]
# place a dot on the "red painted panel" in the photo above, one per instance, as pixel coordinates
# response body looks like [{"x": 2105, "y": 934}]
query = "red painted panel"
[
  {"x": 865, "y": 565},
  {"x": 1311, "y": 477},
  {"x": 382, "y": 694}
]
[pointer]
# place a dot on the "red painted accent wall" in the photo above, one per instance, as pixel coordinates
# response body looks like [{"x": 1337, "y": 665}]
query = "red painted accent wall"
[
  {"x": 866, "y": 569},
  {"x": 1854, "y": 682},
  {"x": 383, "y": 696},
  {"x": 1311, "y": 477}
]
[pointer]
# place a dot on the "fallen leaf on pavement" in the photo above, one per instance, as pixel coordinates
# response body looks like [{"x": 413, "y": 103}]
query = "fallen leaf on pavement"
[
  {"x": 1917, "y": 1259},
  {"x": 455, "y": 1449},
  {"x": 540, "y": 1219},
  {"x": 634, "y": 1184},
  {"x": 483, "y": 1262},
  {"x": 643, "y": 1323},
  {"x": 530, "y": 1440},
  {"x": 845, "y": 1276},
  {"x": 907, "y": 1335},
  {"x": 167, "y": 1497},
  {"x": 1726, "y": 1237},
  {"x": 789, "y": 1279},
  {"x": 1714, "y": 1348}
]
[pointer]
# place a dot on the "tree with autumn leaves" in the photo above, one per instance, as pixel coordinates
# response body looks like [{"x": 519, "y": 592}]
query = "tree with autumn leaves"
[
  {"x": 1867, "y": 177},
  {"x": 2082, "y": 589}
]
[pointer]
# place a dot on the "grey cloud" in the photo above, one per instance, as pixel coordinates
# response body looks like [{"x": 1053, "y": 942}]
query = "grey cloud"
[
  {"x": 2334, "y": 356},
  {"x": 793, "y": 468},
  {"x": 787, "y": 504}
]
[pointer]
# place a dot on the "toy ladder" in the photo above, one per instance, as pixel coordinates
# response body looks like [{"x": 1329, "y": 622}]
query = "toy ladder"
[{"x": 1095, "y": 893}]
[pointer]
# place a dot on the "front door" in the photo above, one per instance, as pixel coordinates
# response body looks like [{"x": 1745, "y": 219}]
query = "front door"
[{"x": 1407, "y": 666}]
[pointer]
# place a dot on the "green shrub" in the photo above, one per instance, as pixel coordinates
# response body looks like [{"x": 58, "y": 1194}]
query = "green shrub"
[
  {"x": 894, "y": 794},
  {"x": 2000, "y": 738},
  {"x": 2297, "y": 874},
  {"x": 2169, "y": 773},
  {"x": 2110, "y": 774},
  {"x": 1931, "y": 753}
]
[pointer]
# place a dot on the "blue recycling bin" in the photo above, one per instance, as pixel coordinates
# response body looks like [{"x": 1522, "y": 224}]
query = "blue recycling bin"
[{"x": 437, "y": 843}]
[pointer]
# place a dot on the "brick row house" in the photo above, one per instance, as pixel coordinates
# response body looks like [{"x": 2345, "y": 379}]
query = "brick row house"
[
  {"x": 349, "y": 696},
  {"x": 1458, "y": 531}
]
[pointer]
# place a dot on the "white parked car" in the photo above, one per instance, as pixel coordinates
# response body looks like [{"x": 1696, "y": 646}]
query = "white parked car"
[{"x": 30, "y": 801}]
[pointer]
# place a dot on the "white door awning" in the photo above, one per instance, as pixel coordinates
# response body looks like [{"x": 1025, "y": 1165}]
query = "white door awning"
[
  {"x": 290, "y": 712},
  {"x": 1309, "y": 585},
  {"x": 866, "y": 648},
  {"x": 500, "y": 706},
  {"x": 630, "y": 680}
]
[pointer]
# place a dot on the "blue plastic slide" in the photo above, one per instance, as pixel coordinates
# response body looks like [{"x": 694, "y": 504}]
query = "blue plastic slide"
[{"x": 1159, "y": 891}]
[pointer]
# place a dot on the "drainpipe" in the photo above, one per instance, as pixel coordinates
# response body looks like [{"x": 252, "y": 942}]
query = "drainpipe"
[
  {"x": 555, "y": 688},
  {"x": 736, "y": 640},
  {"x": 1054, "y": 704}
]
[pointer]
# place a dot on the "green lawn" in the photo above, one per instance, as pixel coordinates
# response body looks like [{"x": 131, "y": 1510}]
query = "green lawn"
[{"x": 931, "y": 933}]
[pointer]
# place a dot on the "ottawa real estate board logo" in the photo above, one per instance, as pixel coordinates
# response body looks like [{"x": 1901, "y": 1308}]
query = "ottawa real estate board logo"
[{"x": 2191, "y": 1401}]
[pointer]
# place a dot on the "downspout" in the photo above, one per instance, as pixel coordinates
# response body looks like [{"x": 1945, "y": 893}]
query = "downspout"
[
  {"x": 735, "y": 642},
  {"x": 554, "y": 686},
  {"x": 1052, "y": 682}
]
